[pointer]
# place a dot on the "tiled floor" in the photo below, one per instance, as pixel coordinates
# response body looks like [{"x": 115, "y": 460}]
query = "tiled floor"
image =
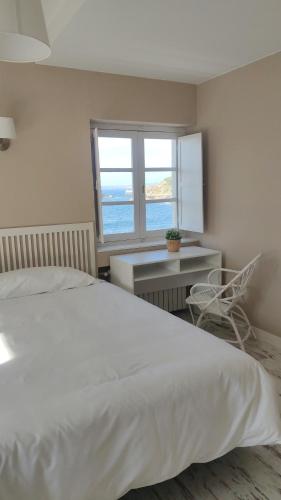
[{"x": 244, "y": 473}]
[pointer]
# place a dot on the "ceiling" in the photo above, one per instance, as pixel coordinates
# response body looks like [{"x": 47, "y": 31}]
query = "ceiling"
[{"x": 180, "y": 40}]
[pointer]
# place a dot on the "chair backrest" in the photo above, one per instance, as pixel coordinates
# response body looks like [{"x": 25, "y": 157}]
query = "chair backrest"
[
  {"x": 246, "y": 274},
  {"x": 236, "y": 287}
]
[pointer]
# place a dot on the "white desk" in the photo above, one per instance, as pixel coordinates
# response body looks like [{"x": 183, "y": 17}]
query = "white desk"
[{"x": 146, "y": 272}]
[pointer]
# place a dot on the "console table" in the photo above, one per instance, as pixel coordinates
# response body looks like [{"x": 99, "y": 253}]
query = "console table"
[{"x": 153, "y": 271}]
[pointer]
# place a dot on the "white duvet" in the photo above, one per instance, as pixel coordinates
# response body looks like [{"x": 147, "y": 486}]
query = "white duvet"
[{"x": 101, "y": 392}]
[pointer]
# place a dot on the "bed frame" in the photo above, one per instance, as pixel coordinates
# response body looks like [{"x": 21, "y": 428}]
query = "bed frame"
[{"x": 67, "y": 245}]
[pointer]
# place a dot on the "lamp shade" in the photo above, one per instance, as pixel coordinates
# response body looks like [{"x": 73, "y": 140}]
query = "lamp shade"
[
  {"x": 7, "y": 128},
  {"x": 23, "y": 34}
]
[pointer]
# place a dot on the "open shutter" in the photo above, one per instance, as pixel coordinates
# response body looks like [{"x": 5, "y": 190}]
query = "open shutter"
[
  {"x": 190, "y": 183},
  {"x": 97, "y": 188}
]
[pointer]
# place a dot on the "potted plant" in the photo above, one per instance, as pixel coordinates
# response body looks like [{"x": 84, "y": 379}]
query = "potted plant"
[{"x": 173, "y": 237}]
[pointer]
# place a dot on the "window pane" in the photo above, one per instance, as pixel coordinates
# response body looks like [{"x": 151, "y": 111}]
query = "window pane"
[
  {"x": 115, "y": 152},
  {"x": 118, "y": 219},
  {"x": 160, "y": 215},
  {"x": 160, "y": 185},
  {"x": 158, "y": 153},
  {"x": 116, "y": 186}
]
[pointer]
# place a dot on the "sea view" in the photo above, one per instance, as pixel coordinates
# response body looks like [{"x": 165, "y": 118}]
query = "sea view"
[{"x": 120, "y": 218}]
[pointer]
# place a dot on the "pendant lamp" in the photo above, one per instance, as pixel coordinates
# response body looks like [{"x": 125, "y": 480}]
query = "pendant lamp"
[{"x": 23, "y": 34}]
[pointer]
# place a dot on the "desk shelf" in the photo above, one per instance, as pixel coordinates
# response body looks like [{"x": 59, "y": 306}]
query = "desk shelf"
[{"x": 145, "y": 272}]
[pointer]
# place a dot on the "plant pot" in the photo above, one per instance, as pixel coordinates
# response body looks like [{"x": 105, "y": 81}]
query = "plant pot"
[{"x": 173, "y": 245}]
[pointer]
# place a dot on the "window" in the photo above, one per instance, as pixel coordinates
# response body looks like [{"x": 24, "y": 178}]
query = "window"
[
  {"x": 160, "y": 183},
  {"x": 117, "y": 185},
  {"x": 137, "y": 183}
]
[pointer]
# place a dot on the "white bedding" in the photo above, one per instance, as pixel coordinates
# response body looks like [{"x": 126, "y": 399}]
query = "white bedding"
[{"x": 104, "y": 393}]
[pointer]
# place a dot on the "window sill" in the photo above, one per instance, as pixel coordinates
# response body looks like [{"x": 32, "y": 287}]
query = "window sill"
[
  {"x": 108, "y": 247},
  {"x": 104, "y": 251}
]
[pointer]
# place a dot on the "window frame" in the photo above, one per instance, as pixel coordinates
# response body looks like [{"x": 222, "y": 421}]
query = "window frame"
[
  {"x": 126, "y": 135},
  {"x": 160, "y": 135},
  {"x": 137, "y": 136}
]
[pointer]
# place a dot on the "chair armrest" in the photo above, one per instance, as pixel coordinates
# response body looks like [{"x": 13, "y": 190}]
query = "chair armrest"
[{"x": 220, "y": 270}]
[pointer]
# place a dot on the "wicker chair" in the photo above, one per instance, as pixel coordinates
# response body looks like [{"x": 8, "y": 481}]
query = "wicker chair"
[{"x": 224, "y": 301}]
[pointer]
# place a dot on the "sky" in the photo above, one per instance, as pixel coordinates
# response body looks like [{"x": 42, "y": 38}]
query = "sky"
[{"x": 115, "y": 152}]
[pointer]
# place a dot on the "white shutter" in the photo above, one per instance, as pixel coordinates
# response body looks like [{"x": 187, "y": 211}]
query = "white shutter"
[
  {"x": 98, "y": 186},
  {"x": 190, "y": 183}
]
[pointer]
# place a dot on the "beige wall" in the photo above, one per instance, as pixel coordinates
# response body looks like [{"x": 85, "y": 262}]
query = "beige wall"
[
  {"x": 241, "y": 115},
  {"x": 45, "y": 177}
]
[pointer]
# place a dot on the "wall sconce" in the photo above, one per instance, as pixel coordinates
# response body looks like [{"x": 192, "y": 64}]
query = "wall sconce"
[{"x": 7, "y": 132}]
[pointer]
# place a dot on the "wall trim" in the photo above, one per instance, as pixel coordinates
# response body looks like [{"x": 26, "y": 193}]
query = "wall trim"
[
  {"x": 178, "y": 129},
  {"x": 268, "y": 337}
]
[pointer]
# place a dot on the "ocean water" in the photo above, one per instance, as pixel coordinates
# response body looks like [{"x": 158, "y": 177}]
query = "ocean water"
[{"x": 120, "y": 218}]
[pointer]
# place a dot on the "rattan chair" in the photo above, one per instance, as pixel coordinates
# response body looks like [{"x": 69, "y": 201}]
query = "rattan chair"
[{"x": 224, "y": 301}]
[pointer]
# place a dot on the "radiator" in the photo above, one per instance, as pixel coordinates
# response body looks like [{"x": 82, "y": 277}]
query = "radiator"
[{"x": 169, "y": 300}]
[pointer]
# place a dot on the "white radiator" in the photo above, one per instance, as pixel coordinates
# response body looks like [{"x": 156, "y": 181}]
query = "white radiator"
[{"x": 169, "y": 300}]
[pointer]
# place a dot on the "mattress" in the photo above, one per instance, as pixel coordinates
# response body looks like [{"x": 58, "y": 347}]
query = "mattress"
[{"x": 102, "y": 392}]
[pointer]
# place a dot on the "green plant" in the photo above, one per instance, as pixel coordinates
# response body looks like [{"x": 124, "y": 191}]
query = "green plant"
[{"x": 173, "y": 234}]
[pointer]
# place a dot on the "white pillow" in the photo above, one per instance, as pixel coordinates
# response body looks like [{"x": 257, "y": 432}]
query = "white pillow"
[{"x": 41, "y": 280}]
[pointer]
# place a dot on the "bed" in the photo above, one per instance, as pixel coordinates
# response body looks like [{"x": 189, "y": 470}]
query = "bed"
[{"x": 102, "y": 392}]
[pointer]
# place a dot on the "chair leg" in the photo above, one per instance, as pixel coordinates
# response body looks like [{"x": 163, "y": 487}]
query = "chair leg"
[
  {"x": 250, "y": 328},
  {"x": 191, "y": 314},
  {"x": 200, "y": 318},
  {"x": 238, "y": 336},
  {"x": 253, "y": 332},
  {"x": 231, "y": 320}
]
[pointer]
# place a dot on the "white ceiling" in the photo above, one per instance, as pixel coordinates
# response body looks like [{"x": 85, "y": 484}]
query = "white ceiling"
[{"x": 181, "y": 40}]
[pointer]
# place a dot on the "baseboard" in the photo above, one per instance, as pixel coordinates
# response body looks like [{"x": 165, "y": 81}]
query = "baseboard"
[{"x": 268, "y": 337}]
